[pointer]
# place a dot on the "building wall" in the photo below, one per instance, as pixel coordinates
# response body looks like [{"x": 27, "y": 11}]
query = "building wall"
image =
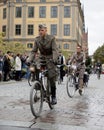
[{"x": 66, "y": 43}]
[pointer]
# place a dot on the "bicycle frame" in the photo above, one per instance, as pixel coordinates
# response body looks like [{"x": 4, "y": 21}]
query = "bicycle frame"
[{"x": 43, "y": 78}]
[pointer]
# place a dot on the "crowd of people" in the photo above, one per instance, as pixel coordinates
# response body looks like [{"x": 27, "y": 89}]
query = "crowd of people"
[{"x": 12, "y": 66}]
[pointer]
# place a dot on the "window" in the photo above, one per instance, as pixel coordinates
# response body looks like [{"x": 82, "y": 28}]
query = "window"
[
  {"x": 30, "y": 12},
  {"x": 30, "y": 29},
  {"x": 18, "y": 12},
  {"x": 29, "y": 45},
  {"x": 66, "y": 30},
  {"x": 53, "y": 29},
  {"x": 66, "y": 11},
  {"x": 18, "y": 29},
  {"x": 18, "y": 1},
  {"x": 66, "y": 46},
  {"x": 4, "y": 13},
  {"x": 42, "y": 12},
  {"x": 4, "y": 29},
  {"x": 42, "y": 0},
  {"x": 54, "y": 12},
  {"x": 67, "y": 0},
  {"x": 5, "y": 1}
]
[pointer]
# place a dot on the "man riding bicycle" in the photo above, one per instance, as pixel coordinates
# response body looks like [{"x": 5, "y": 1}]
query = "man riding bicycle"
[
  {"x": 46, "y": 44},
  {"x": 79, "y": 59},
  {"x": 98, "y": 67}
]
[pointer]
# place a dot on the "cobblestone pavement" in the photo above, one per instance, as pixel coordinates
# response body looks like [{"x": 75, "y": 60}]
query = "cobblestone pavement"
[{"x": 77, "y": 113}]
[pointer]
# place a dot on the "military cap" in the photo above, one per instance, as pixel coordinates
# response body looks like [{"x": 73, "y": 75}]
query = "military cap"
[{"x": 42, "y": 26}]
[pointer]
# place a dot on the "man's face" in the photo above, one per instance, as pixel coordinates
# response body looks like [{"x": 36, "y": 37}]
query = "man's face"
[
  {"x": 78, "y": 49},
  {"x": 42, "y": 32}
]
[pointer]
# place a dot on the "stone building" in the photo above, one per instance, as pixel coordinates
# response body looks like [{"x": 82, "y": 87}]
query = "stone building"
[{"x": 19, "y": 19}]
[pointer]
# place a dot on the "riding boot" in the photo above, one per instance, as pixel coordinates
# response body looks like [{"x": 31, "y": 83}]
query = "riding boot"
[
  {"x": 53, "y": 92},
  {"x": 80, "y": 86}
]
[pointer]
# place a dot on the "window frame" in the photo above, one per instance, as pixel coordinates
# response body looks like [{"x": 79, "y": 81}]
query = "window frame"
[
  {"x": 42, "y": 1},
  {"x": 66, "y": 30},
  {"x": 30, "y": 45},
  {"x": 18, "y": 1},
  {"x": 30, "y": 31},
  {"x": 18, "y": 29},
  {"x": 54, "y": 10},
  {"x": 17, "y": 15},
  {"x": 4, "y": 29},
  {"x": 66, "y": 14},
  {"x": 4, "y": 13},
  {"x": 52, "y": 32},
  {"x": 66, "y": 46},
  {"x": 31, "y": 15},
  {"x": 42, "y": 12}
]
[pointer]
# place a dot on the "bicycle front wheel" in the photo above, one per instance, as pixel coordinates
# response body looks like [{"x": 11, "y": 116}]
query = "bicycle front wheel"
[
  {"x": 70, "y": 86},
  {"x": 36, "y": 99}
]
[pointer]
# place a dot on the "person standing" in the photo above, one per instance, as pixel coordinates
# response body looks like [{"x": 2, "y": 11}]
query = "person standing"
[
  {"x": 46, "y": 44},
  {"x": 6, "y": 66},
  {"x": 62, "y": 62},
  {"x": 1, "y": 64},
  {"x": 18, "y": 67}
]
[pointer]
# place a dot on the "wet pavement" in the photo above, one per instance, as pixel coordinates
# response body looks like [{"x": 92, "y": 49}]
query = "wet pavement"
[{"x": 77, "y": 113}]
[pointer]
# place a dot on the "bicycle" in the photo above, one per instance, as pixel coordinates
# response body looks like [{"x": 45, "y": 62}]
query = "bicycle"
[
  {"x": 72, "y": 84},
  {"x": 98, "y": 72},
  {"x": 40, "y": 92}
]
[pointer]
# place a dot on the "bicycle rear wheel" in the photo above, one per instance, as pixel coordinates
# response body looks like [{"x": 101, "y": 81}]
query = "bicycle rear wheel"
[
  {"x": 70, "y": 86},
  {"x": 36, "y": 99}
]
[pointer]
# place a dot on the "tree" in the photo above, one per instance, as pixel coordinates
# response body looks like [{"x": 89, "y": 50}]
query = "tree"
[
  {"x": 15, "y": 47},
  {"x": 99, "y": 54}
]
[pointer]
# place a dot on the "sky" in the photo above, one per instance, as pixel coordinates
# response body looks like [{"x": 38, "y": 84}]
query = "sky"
[{"x": 94, "y": 21}]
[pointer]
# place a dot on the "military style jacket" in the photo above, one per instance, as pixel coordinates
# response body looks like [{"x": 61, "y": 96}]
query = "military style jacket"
[
  {"x": 78, "y": 58},
  {"x": 47, "y": 48}
]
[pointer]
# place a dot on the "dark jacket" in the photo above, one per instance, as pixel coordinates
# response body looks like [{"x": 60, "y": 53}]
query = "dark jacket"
[{"x": 48, "y": 49}]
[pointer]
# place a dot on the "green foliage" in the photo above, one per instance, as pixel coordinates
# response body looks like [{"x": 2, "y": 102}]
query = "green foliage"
[
  {"x": 66, "y": 54},
  {"x": 99, "y": 54},
  {"x": 11, "y": 46}
]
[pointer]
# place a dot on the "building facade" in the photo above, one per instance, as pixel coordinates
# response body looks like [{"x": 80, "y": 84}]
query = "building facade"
[{"x": 19, "y": 20}]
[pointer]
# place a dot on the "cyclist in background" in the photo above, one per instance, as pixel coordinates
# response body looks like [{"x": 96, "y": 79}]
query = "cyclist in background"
[
  {"x": 79, "y": 58},
  {"x": 98, "y": 67}
]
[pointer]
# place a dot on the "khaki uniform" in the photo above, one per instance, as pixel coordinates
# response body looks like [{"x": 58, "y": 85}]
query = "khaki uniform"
[
  {"x": 79, "y": 58},
  {"x": 48, "y": 49}
]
